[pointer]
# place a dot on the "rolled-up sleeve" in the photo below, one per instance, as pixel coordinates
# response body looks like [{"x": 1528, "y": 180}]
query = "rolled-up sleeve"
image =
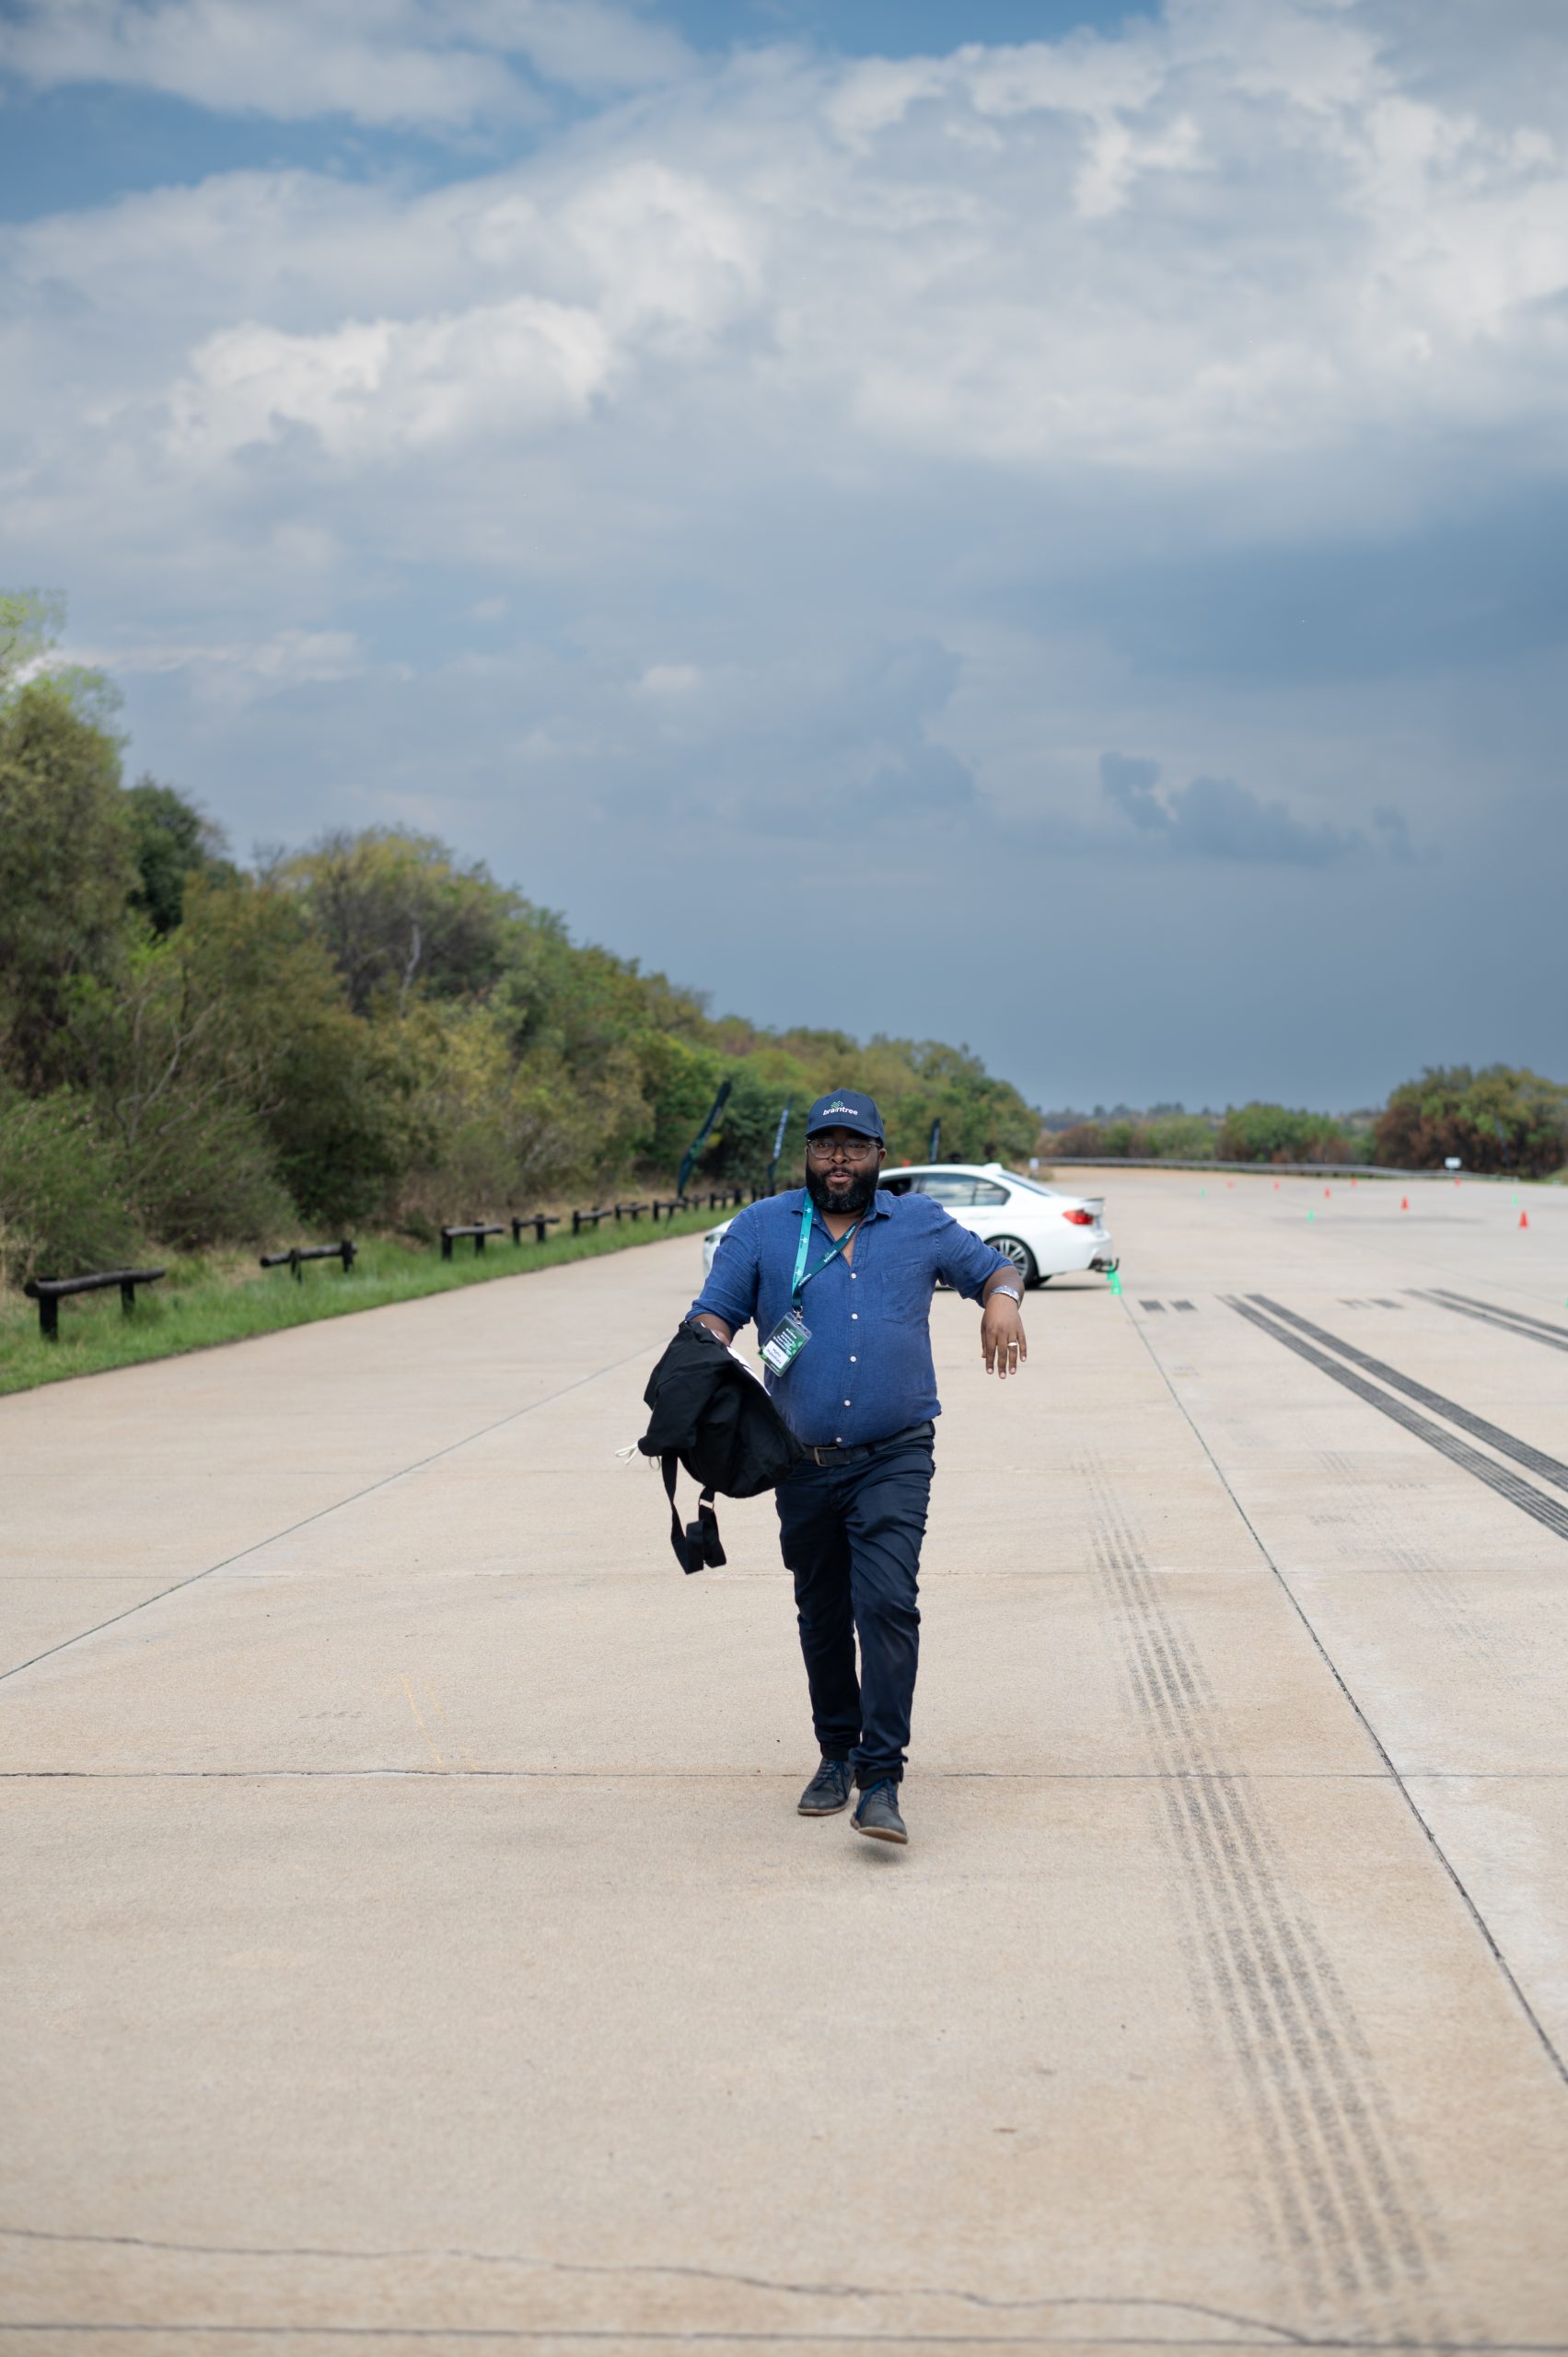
[
  {"x": 730, "y": 1290},
  {"x": 962, "y": 1261}
]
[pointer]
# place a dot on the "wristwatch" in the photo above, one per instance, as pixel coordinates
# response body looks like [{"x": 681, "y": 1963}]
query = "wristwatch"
[{"x": 1011, "y": 1290}]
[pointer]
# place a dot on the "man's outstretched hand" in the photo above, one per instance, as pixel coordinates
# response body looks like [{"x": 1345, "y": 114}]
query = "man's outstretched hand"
[{"x": 1002, "y": 1343}]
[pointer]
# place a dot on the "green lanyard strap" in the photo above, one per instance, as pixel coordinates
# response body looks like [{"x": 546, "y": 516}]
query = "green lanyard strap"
[{"x": 802, "y": 1275}]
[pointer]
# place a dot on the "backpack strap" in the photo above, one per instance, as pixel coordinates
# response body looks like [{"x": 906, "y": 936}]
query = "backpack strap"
[
  {"x": 698, "y": 1544},
  {"x": 704, "y": 1532}
]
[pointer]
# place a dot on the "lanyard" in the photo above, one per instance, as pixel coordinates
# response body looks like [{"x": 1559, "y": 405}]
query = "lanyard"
[{"x": 803, "y": 1276}]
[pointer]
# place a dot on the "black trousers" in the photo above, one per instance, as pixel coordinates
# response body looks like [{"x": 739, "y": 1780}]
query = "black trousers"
[{"x": 851, "y": 1534}]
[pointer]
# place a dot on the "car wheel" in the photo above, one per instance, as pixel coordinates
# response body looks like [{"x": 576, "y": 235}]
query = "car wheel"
[{"x": 1023, "y": 1259}]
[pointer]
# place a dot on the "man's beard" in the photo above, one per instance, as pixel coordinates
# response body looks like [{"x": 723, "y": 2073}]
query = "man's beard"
[{"x": 853, "y": 1198}]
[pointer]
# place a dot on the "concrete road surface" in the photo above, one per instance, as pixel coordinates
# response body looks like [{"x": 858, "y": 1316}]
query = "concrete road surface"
[{"x": 409, "y": 1941}]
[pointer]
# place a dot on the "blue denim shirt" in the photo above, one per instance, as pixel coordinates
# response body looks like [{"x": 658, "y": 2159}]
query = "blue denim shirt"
[{"x": 867, "y": 1371}]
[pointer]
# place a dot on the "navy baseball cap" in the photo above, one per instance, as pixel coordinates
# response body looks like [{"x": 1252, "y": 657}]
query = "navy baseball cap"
[{"x": 842, "y": 1110}]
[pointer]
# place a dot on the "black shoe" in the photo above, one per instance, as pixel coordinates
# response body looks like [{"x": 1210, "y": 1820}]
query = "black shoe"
[
  {"x": 828, "y": 1791},
  {"x": 879, "y": 1813}
]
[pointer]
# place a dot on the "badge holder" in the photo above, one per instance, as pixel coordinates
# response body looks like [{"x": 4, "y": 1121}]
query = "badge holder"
[{"x": 786, "y": 1341}]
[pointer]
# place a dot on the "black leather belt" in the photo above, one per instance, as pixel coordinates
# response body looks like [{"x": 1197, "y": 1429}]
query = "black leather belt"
[{"x": 911, "y": 1432}]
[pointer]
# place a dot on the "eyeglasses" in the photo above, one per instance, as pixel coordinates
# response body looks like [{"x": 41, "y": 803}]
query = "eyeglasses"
[{"x": 824, "y": 1149}]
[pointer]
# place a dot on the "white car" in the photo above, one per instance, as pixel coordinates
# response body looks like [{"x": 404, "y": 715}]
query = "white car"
[{"x": 1044, "y": 1234}]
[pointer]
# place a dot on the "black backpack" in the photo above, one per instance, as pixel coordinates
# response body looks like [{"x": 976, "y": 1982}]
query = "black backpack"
[{"x": 714, "y": 1418}]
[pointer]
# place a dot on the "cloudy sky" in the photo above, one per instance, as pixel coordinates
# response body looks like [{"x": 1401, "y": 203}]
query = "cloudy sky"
[{"x": 1003, "y": 519}]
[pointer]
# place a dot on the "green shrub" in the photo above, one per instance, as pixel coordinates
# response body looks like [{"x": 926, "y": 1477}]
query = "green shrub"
[
  {"x": 1179, "y": 1137},
  {"x": 62, "y": 1209},
  {"x": 1257, "y": 1132},
  {"x": 200, "y": 1172}
]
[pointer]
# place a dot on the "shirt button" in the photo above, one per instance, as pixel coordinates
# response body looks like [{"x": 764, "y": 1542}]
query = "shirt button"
[
  {"x": 852, "y": 1358},
  {"x": 855, "y": 1313},
  {"x": 846, "y": 1403}
]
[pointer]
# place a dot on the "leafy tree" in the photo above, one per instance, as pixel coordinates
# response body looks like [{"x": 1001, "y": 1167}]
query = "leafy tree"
[
  {"x": 31, "y": 623},
  {"x": 335, "y": 1095},
  {"x": 984, "y": 1119},
  {"x": 397, "y": 913},
  {"x": 1498, "y": 1118},
  {"x": 67, "y": 871},
  {"x": 172, "y": 840}
]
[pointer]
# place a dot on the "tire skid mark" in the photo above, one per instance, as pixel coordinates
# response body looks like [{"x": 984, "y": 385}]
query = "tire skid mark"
[
  {"x": 1509, "y": 1322},
  {"x": 1345, "y": 2197},
  {"x": 1508, "y": 1484},
  {"x": 1534, "y": 1461}
]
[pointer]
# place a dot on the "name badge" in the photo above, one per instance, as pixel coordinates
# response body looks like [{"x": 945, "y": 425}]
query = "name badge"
[{"x": 786, "y": 1341}]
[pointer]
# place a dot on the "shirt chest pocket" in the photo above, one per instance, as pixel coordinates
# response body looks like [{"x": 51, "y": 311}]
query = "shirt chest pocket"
[{"x": 894, "y": 1288}]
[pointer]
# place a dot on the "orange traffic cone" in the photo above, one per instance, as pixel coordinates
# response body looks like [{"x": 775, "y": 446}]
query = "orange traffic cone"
[
  {"x": 1524, "y": 1219},
  {"x": 1328, "y": 1191},
  {"x": 1404, "y": 1203}
]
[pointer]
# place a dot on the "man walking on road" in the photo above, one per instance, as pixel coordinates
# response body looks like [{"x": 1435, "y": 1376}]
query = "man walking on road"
[{"x": 838, "y": 1276}]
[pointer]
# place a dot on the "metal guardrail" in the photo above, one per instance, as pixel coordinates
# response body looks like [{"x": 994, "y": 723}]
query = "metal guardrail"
[
  {"x": 48, "y": 1293},
  {"x": 1261, "y": 1169},
  {"x": 479, "y": 1229},
  {"x": 299, "y": 1253}
]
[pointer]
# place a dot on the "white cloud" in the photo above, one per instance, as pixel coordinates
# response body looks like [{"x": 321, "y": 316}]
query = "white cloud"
[
  {"x": 385, "y": 387},
  {"x": 722, "y": 394},
  {"x": 1226, "y": 247},
  {"x": 439, "y": 65},
  {"x": 289, "y": 658}
]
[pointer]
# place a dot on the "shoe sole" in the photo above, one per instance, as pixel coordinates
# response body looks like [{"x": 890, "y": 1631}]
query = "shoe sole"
[{"x": 880, "y": 1833}]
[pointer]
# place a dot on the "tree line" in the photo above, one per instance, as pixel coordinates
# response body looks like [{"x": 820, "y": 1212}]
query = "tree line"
[
  {"x": 366, "y": 1032},
  {"x": 1495, "y": 1120}
]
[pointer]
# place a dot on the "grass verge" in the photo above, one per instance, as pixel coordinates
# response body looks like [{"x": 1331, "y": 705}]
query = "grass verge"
[{"x": 203, "y": 1302}]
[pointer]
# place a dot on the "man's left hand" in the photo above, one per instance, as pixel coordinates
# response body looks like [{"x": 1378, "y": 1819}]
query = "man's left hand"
[{"x": 1002, "y": 1343}]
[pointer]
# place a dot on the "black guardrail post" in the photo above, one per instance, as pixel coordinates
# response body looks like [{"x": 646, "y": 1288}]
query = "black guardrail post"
[
  {"x": 298, "y": 1254},
  {"x": 48, "y": 1293},
  {"x": 478, "y": 1228}
]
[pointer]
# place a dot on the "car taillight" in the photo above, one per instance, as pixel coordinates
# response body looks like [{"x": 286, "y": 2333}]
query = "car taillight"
[{"x": 1080, "y": 1219}]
